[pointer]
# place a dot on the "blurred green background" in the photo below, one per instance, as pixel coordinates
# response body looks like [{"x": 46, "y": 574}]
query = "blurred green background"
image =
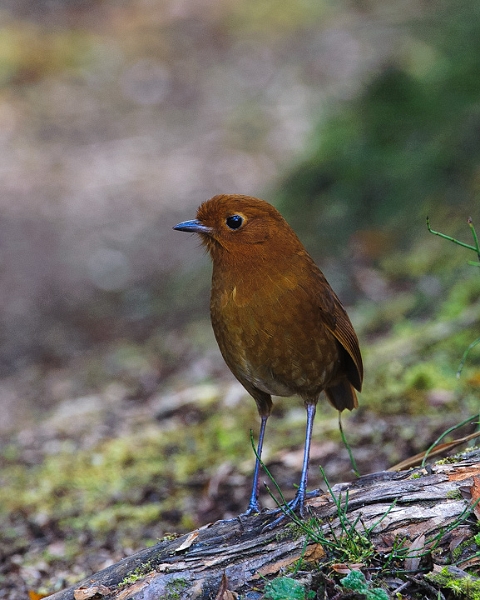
[{"x": 357, "y": 119}]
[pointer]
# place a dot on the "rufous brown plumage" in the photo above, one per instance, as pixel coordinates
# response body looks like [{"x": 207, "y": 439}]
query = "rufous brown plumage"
[{"x": 280, "y": 327}]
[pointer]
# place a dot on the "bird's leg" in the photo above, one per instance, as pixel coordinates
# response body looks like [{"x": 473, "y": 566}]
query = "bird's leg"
[
  {"x": 298, "y": 503},
  {"x": 253, "y": 505}
]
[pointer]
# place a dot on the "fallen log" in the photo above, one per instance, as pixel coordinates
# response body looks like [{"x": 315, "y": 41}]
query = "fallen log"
[{"x": 423, "y": 515}]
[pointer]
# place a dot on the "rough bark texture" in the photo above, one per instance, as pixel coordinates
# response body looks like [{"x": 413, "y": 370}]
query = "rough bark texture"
[{"x": 222, "y": 559}]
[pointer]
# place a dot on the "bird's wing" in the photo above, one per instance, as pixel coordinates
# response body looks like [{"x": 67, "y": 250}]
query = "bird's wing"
[
  {"x": 337, "y": 322},
  {"x": 345, "y": 334}
]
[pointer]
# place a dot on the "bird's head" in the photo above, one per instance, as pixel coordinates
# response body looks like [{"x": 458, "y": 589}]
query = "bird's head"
[{"x": 235, "y": 223}]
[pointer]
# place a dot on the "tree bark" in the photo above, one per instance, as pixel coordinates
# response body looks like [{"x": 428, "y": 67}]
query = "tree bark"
[{"x": 432, "y": 511}]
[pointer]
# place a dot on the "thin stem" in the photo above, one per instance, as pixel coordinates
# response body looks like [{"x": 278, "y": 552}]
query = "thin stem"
[
  {"x": 452, "y": 239},
  {"x": 465, "y": 355},
  {"x": 353, "y": 462},
  {"x": 474, "y": 234},
  {"x": 445, "y": 433}
]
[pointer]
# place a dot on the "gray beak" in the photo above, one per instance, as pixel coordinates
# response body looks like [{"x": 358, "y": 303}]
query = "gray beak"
[{"x": 193, "y": 226}]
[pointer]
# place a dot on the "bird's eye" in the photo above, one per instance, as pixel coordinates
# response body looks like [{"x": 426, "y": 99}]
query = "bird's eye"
[{"x": 234, "y": 222}]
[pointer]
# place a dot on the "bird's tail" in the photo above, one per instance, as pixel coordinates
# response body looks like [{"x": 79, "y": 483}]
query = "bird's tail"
[{"x": 342, "y": 395}]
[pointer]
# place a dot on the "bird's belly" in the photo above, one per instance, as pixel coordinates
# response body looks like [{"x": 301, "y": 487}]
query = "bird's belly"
[
  {"x": 283, "y": 367},
  {"x": 268, "y": 385},
  {"x": 288, "y": 379}
]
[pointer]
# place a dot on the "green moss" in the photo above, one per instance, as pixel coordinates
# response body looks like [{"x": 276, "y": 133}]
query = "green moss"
[
  {"x": 137, "y": 574},
  {"x": 169, "y": 537},
  {"x": 175, "y": 588},
  {"x": 105, "y": 488},
  {"x": 448, "y": 460},
  {"x": 462, "y": 587},
  {"x": 467, "y": 547},
  {"x": 454, "y": 495}
]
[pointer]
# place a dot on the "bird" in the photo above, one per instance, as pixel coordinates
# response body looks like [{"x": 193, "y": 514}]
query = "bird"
[{"x": 280, "y": 327}]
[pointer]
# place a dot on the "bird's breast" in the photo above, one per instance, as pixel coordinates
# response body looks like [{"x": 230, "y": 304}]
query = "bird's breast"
[{"x": 273, "y": 337}]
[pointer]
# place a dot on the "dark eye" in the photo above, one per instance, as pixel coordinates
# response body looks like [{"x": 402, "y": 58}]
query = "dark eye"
[{"x": 234, "y": 222}]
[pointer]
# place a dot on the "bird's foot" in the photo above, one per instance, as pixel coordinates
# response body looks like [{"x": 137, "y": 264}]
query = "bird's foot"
[
  {"x": 314, "y": 493},
  {"x": 293, "y": 509},
  {"x": 253, "y": 509}
]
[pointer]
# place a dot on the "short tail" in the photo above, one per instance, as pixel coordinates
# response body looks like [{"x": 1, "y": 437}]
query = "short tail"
[{"x": 342, "y": 395}]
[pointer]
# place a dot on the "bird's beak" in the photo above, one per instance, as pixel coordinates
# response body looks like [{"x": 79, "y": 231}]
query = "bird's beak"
[{"x": 194, "y": 226}]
